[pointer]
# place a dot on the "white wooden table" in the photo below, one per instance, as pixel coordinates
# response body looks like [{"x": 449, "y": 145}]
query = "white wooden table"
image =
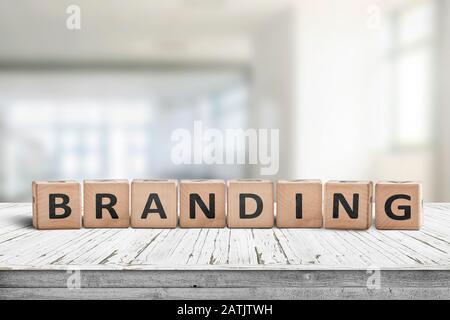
[{"x": 223, "y": 263}]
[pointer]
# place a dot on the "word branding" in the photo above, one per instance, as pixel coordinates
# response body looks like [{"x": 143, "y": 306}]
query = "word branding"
[
  {"x": 216, "y": 204},
  {"x": 213, "y": 146}
]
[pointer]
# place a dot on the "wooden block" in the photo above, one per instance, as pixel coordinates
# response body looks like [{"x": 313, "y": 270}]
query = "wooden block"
[
  {"x": 299, "y": 204},
  {"x": 202, "y": 204},
  {"x": 56, "y": 204},
  {"x": 250, "y": 204},
  {"x": 154, "y": 204},
  {"x": 348, "y": 205},
  {"x": 106, "y": 204},
  {"x": 398, "y": 205}
]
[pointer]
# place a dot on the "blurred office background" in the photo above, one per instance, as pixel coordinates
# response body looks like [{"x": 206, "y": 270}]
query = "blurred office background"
[{"x": 358, "y": 88}]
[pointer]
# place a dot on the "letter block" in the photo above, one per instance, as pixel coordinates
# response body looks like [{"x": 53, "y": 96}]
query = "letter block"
[
  {"x": 398, "y": 205},
  {"x": 250, "y": 204},
  {"x": 56, "y": 204},
  {"x": 202, "y": 204},
  {"x": 299, "y": 204},
  {"x": 106, "y": 204},
  {"x": 348, "y": 205},
  {"x": 154, "y": 204}
]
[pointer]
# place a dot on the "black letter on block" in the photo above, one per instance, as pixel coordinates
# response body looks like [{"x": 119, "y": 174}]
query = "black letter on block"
[
  {"x": 298, "y": 205},
  {"x": 52, "y": 205},
  {"x": 159, "y": 208},
  {"x": 259, "y": 205},
  {"x": 99, "y": 206},
  {"x": 209, "y": 213},
  {"x": 406, "y": 209},
  {"x": 352, "y": 213}
]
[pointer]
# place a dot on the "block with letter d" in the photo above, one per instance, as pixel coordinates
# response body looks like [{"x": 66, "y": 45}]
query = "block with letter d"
[
  {"x": 348, "y": 205},
  {"x": 202, "y": 203},
  {"x": 154, "y": 204},
  {"x": 250, "y": 204},
  {"x": 56, "y": 204},
  {"x": 398, "y": 205},
  {"x": 106, "y": 204}
]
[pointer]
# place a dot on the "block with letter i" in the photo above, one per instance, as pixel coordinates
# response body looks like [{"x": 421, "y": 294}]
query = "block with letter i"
[
  {"x": 348, "y": 205},
  {"x": 250, "y": 204},
  {"x": 106, "y": 204},
  {"x": 299, "y": 204},
  {"x": 202, "y": 203},
  {"x": 154, "y": 204},
  {"x": 56, "y": 204},
  {"x": 398, "y": 205}
]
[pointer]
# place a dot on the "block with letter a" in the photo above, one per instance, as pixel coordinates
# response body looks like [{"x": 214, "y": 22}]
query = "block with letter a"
[
  {"x": 154, "y": 204},
  {"x": 56, "y": 204}
]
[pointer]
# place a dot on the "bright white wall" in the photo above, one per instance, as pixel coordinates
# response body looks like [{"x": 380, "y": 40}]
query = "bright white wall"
[
  {"x": 334, "y": 113},
  {"x": 343, "y": 120}
]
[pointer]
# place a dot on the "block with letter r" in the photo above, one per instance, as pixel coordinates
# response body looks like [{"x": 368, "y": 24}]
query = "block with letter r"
[{"x": 106, "y": 204}]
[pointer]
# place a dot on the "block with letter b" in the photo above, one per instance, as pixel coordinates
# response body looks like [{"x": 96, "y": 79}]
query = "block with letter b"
[
  {"x": 202, "y": 203},
  {"x": 398, "y": 205},
  {"x": 250, "y": 204},
  {"x": 348, "y": 205},
  {"x": 56, "y": 204},
  {"x": 106, "y": 204},
  {"x": 299, "y": 204},
  {"x": 154, "y": 204}
]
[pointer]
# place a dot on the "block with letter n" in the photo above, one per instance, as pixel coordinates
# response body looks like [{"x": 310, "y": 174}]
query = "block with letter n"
[
  {"x": 202, "y": 203},
  {"x": 56, "y": 204},
  {"x": 348, "y": 205}
]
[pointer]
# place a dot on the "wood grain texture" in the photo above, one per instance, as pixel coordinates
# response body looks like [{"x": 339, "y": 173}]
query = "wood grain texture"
[
  {"x": 228, "y": 294},
  {"x": 224, "y": 263}
]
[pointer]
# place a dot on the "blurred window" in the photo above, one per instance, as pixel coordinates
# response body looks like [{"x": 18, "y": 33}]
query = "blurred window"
[
  {"x": 118, "y": 134},
  {"x": 411, "y": 57},
  {"x": 85, "y": 138}
]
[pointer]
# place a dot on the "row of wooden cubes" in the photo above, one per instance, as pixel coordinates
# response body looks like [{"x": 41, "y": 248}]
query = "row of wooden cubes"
[{"x": 213, "y": 204}]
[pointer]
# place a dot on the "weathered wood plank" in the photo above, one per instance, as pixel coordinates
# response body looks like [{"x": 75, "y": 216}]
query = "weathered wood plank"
[
  {"x": 226, "y": 294},
  {"x": 221, "y": 279},
  {"x": 24, "y": 248}
]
